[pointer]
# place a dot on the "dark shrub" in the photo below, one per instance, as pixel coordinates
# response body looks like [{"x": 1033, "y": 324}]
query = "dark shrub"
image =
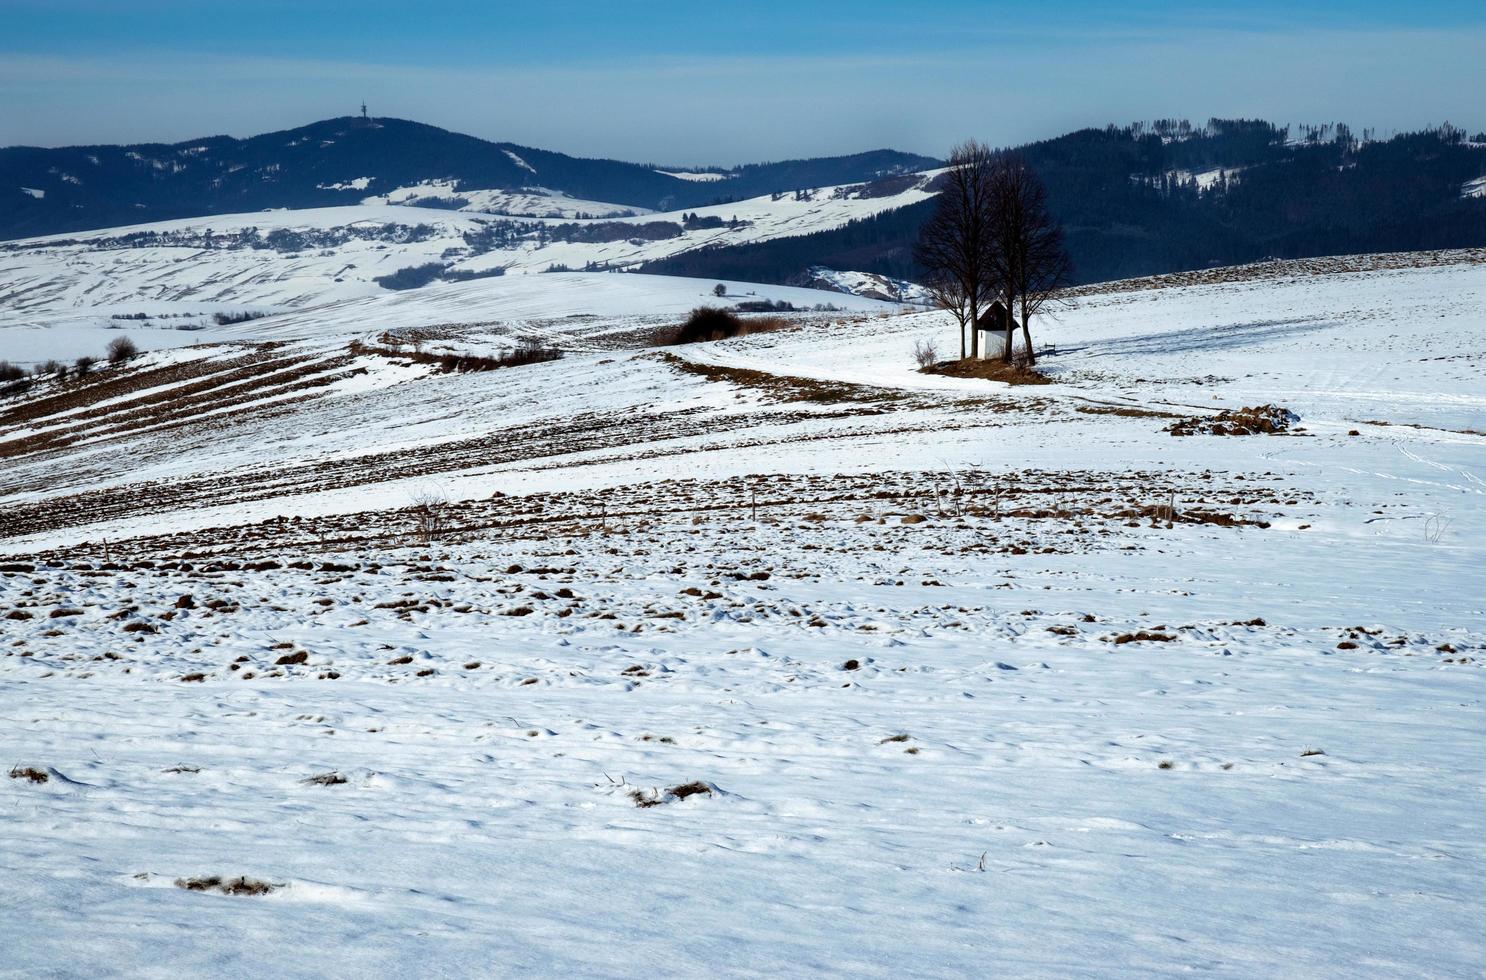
[
  {"x": 530, "y": 350},
  {"x": 227, "y": 319},
  {"x": 120, "y": 349},
  {"x": 765, "y": 306},
  {"x": 83, "y": 365},
  {"x": 465, "y": 275},
  {"x": 10, "y": 372},
  {"x": 708, "y": 323},
  {"x": 695, "y": 222},
  {"x": 411, "y": 277}
]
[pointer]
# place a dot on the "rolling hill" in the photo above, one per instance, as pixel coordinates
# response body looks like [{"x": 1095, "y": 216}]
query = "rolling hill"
[
  {"x": 342, "y": 161},
  {"x": 1135, "y": 200}
]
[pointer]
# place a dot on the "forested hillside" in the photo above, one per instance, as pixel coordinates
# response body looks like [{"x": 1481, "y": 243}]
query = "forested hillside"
[{"x": 1167, "y": 197}]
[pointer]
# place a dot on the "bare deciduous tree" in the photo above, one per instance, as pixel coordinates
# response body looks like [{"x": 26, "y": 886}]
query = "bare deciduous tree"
[
  {"x": 1027, "y": 254},
  {"x": 428, "y": 506},
  {"x": 925, "y": 354},
  {"x": 955, "y": 244}
]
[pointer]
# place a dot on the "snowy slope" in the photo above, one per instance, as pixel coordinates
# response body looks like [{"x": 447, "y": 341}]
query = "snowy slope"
[
  {"x": 975, "y": 679},
  {"x": 534, "y": 202},
  {"x": 61, "y": 291}
]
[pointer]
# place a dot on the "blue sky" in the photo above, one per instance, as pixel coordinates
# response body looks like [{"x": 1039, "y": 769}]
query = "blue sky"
[{"x": 701, "y": 82}]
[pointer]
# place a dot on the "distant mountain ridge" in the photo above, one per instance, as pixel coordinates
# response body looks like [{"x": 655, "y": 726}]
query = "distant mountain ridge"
[
  {"x": 1138, "y": 200},
  {"x": 1170, "y": 196},
  {"x": 340, "y": 161}
]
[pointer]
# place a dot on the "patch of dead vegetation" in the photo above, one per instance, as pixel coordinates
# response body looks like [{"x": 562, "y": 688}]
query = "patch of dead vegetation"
[
  {"x": 1125, "y": 411},
  {"x": 229, "y": 886},
  {"x": 975, "y": 367},
  {"x": 1257, "y": 420},
  {"x": 644, "y": 800},
  {"x": 325, "y": 779},
  {"x": 784, "y": 387},
  {"x": 30, "y": 774}
]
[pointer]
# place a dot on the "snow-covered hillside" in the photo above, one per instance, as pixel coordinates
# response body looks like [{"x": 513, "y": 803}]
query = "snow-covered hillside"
[
  {"x": 60, "y": 293},
  {"x": 754, "y": 656},
  {"x": 533, "y": 202}
]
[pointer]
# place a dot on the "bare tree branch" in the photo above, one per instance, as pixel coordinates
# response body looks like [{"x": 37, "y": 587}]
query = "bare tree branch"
[
  {"x": 954, "y": 245},
  {"x": 1027, "y": 251}
]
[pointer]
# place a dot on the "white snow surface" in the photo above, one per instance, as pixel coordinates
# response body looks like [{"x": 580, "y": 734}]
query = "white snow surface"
[
  {"x": 695, "y": 176},
  {"x": 518, "y": 161},
  {"x": 357, "y": 184},
  {"x": 1036, "y": 729},
  {"x": 530, "y": 202}
]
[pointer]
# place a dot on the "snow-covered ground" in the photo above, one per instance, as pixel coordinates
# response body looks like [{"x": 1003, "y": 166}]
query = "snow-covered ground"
[
  {"x": 953, "y": 678},
  {"x": 535, "y": 202}
]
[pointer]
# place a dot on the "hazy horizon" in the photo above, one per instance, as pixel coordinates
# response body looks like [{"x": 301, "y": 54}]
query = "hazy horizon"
[{"x": 684, "y": 86}]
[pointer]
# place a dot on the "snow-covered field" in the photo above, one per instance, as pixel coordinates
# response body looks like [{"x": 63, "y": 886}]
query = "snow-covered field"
[
  {"x": 533, "y": 202},
  {"x": 66, "y": 296},
  {"x": 952, "y": 678}
]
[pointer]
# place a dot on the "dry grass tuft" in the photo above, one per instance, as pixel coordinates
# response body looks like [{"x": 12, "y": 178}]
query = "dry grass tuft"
[
  {"x": 29, "y": 773},
  {"x": 325, "y": 779},
  {"x": 1144, "y": 637},
  {"x": 645, "y": 800},
  {"x": 231, "y": 886},
  {"x": 689, "y": 789}
]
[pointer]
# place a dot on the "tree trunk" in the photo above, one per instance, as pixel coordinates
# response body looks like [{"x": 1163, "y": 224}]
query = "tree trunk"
[
  {"x": 1010, "y": 326},
  {"x": 962, "y": 340},
  {"x": 1027, "y": 337},
  {"x": 975, "y": 333}
]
